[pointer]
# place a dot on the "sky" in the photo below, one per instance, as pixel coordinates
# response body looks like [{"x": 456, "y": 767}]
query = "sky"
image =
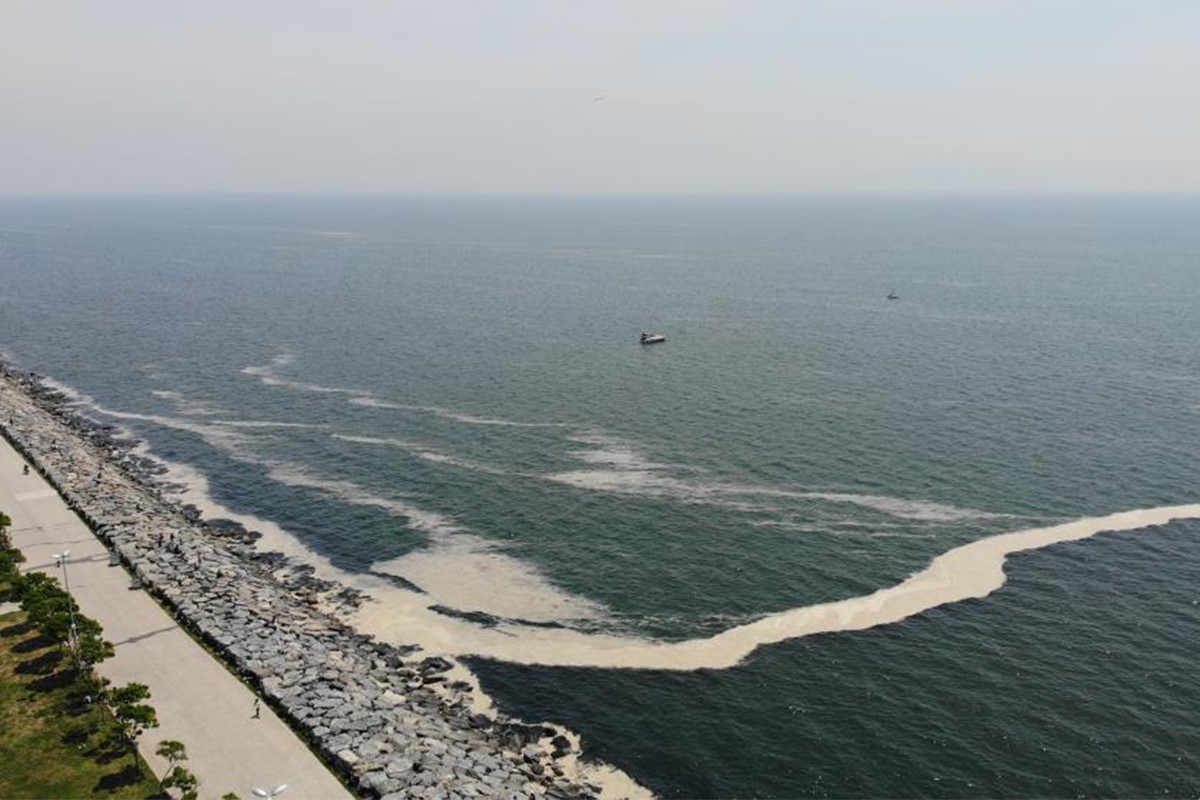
[{"x": 602, "y": 97}]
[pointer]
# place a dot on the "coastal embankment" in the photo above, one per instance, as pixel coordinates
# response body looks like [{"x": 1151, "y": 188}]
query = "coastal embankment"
[{"x": 392, "y": 722}]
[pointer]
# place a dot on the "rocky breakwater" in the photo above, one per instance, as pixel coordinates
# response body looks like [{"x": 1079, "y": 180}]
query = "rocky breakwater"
[{"x": 392, "y": 723}]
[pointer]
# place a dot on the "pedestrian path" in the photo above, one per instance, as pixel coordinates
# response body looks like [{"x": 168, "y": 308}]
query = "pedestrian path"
[{"x": 234, "y": 744}]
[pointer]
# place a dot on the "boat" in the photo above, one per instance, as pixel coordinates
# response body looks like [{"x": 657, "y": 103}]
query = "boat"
[
  {"x": 893, "y": 296},
  {"x": 652, "y": 338}
]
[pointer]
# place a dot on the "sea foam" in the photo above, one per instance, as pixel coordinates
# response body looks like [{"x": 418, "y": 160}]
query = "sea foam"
[{"x": 973, "y": 570}]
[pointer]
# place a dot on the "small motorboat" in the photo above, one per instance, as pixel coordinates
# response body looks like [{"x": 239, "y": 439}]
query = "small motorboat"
[
  {"x": 652, "y": 338},
  {"x": 893, "y": 296}
]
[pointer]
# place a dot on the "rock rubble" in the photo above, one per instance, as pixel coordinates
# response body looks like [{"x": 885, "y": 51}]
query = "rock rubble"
[{"x": 386, "y": 719}]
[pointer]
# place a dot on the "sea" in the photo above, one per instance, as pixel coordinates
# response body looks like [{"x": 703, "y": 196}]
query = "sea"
[{"x": 443, "y": 400}]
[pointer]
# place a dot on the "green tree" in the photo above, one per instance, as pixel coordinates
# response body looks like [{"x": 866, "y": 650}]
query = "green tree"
[
  {"x": 172, "y": 751},
  {"x": 53, "y": 620},
  {"x": 133, "y": 716},
  {"x": 187, "y": 783},
  {"x": 34, "y": 585},
  {"x": 42, "y": 599},
  {"x": 92, "y": 649},
  {"x": 9, "y": 573},
  {"x": 49, "y": 607},
  {"x": 52, "y": 610},
  {"x": 9, "y": 558},
  {"x": 177, "y": 777}
]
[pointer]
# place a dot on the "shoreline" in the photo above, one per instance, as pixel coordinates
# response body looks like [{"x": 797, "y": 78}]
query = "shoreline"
[{"x": 384, "y": 716}]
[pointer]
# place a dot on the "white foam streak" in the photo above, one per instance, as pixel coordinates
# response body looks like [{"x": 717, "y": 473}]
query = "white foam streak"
[
  {"x": 368, "y": 401},
  {"x": 268, "y": 375},
  {"x": 379, "y": 440},
  {"x": 425, "y": 521},
  {"x": 922, "y": 510},
  {"x": 971, "y": 571},
  {"x": 421, "y": 451},
  {"x": 186, "y": 406},
  {"x": 622, "y": 469},
  {"x": 220, "y": 437},
  {"x": 840, "y": 529},
  {"x": 614, "y": 452},
  {"x": 631, "y": 473},
  {"x": 262, "y": 423},
  {"x": 460, "y": 569},
  {"x": 468, "y": 575}
]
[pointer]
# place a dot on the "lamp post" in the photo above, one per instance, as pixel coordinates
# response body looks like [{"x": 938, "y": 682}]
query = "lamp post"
[
  {"x": 61, "y": 558},
  {"x": 278, "y": 790}
]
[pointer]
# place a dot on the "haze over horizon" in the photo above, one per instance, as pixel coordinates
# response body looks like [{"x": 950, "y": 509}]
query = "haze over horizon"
[{"x": 615, "y": 98}]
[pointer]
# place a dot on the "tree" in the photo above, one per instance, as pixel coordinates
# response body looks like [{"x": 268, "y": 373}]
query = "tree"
[
  {"x": 92, "y": 648},
  {"x": 9, "y": 558},
  {"x": 53, "y": 619},
  {"x": 172, "y": 751},
  {"x": 49, "y": 607},
  {"x": 43, "y": 600},
  {"x": 33, "y": 585},
  {"x": 133, "y": 716},
  {"x": 177, "y": 777},
  {"x": 187, "y": 783},
  {"x": 9, "y": 573}
]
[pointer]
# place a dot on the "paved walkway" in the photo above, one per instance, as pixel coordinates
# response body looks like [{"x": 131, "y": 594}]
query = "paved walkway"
[{"x": 199, "y": 703}]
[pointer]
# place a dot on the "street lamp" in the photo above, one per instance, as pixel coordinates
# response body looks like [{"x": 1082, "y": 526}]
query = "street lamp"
[
  {"x": 278, "y": 790},
  {"x": 61, "y": 558}
]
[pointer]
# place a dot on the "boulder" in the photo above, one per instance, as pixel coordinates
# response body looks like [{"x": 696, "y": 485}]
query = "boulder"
[{"x": 374, "y": 782}]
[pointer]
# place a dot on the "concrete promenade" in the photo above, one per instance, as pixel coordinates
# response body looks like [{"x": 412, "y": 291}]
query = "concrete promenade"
[{"x": 199, "y": 703}]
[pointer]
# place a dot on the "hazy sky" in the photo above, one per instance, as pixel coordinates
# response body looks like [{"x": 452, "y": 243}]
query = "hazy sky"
[{"x": 502, "y": 96}]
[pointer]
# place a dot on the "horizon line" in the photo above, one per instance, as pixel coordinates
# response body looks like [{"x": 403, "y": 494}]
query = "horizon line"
[{"x": 980, "y": 192}]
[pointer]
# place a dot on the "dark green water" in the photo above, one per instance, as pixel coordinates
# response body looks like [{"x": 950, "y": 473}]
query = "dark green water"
[
  {"x": 1074, "y": 680},
  {"x": 469, "y": 380}
]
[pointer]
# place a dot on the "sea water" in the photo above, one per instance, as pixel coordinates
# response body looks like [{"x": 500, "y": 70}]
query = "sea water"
[{"x": 449, "y": 393}]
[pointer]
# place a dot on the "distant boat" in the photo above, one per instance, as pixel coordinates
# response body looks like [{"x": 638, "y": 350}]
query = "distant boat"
[
  {"x": 893, "y": 296},
  {"x": 652, "y": 338}
]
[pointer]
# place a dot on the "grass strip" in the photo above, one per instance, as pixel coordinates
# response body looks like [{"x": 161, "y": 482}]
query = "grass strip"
[{"x": 53, "y": 742}]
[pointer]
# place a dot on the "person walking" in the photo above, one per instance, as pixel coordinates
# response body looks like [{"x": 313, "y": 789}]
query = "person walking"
[{"x": 257, "y": 708}]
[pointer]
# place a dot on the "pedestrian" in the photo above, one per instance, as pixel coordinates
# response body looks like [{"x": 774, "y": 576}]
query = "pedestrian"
[{"x": 257, "y": 709}]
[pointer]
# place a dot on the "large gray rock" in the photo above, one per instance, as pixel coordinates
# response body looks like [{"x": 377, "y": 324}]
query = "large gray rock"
[
  {"x": 374, "y": 782},
  {"x": 399, "y": 767}
]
